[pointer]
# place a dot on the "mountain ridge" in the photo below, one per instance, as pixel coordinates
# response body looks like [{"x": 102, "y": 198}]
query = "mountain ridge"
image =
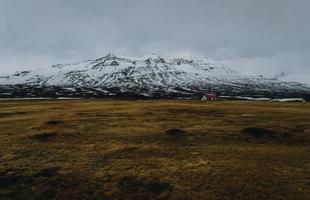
[{"x": 149, "y": 76}]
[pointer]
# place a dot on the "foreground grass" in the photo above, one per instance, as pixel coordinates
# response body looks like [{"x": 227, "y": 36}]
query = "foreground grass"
[{"x": 113, "y": 149}]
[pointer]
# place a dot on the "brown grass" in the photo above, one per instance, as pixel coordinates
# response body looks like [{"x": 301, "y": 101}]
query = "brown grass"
[{"x": 159, "y": 149}]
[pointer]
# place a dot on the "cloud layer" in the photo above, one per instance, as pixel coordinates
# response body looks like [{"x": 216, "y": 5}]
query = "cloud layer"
[{"x": 256, "y": 37}]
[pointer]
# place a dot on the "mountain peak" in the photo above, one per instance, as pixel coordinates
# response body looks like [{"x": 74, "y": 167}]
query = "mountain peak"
[
  {"x": 110, "y": 55},
  {"x": 152, "y": 56}
]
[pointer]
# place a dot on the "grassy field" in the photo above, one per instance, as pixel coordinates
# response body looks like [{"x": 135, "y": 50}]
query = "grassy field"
[{"x": 159, "y": 149}]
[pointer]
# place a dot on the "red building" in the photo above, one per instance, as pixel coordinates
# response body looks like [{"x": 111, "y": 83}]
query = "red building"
[{"x": 210, "y": 96}]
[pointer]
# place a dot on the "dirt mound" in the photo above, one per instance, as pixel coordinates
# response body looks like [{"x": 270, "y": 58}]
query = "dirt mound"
[
  {"x": 44, "y": 137},
  {"x": 258, "y": 132},
  {"x": 158, "y": 187},
  {"x": 54, "y": 122},
  {"x": 176, "y": 133}
]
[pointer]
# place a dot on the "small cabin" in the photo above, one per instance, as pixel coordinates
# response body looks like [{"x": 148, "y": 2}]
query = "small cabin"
[{"x": 210, "y": 96}]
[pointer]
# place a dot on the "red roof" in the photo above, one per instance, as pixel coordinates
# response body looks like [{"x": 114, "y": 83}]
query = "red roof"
[{"x": 209, "y": 94}]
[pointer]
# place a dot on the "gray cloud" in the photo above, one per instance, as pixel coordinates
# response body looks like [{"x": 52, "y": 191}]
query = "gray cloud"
[{"x": 265, "y": 36}]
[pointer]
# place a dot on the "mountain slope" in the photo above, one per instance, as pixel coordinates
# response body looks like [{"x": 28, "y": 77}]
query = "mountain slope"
[{"x": 150, "y": 76}]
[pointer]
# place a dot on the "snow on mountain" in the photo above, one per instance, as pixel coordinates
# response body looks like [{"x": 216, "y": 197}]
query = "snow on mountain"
[
  {"x": 118, "y": 70},
  {"x": 145, "y": 76},
  {"x": 303, "y": 78}
]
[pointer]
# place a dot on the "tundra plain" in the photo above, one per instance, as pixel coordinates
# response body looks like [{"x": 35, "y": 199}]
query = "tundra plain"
[{"x": 154, "y": 149}]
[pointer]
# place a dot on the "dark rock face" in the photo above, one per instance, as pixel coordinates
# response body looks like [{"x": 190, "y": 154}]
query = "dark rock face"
[{"x": 26, "y": 91}]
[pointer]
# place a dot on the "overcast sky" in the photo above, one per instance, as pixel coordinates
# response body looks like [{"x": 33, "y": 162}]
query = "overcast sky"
[{"x": 253, "y": 36}]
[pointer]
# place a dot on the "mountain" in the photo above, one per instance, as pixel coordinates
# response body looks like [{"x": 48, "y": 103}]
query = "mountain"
[{"x": 150, "y": 76}]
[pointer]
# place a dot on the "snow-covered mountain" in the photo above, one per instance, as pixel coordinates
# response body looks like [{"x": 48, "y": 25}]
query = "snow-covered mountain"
[{"x": 149, "y": 76}]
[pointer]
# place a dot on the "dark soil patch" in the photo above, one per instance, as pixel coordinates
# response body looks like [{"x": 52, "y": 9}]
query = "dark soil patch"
[
  {"x": 176, "y": 133},
  {"x": 50, "y": 193},
  {"x": 44, "y": 137},
  {"x": 158, "y": 187},
  {"x": 132, "y": 184},
  {"x": 258, "y": 132},
  {"x": 54, "y": 122},
  {"x": 176, "y": 137},
  {"x": 8, "y": 179},
  {"x": 298, "y": 129},
  {"x": 8, "y": 114},
  {"x": 48, "y": 172},
  {"x": 92, "y": 114},
  {"x": 57, "y": 108}
]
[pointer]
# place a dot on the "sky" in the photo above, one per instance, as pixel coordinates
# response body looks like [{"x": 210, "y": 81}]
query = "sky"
[{"x": 252, "y": 36}]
